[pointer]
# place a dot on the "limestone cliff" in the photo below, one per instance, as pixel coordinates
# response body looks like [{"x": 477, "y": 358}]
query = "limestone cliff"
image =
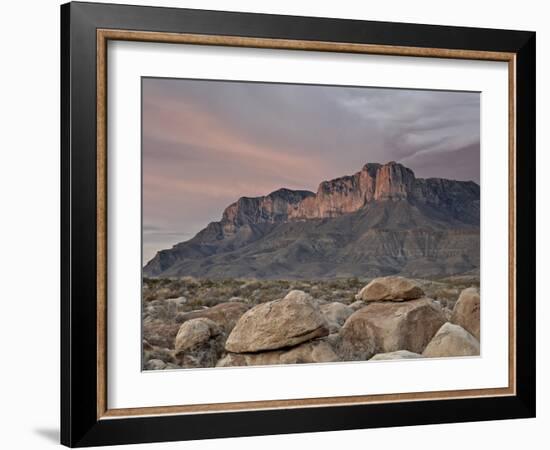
[{"x": 383, "y": 216}]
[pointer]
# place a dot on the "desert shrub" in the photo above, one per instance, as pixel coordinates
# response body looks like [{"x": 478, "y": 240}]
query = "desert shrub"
[{"x": 202, "y": 293}]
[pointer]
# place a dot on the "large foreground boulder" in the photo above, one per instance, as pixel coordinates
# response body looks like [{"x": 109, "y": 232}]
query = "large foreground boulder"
[
  {"x": 316, "y": 351},
  {"x": 389, "y": 327},
  {"x": 392, "y": 288},
  {"x": 452, "y": 340},
  {"x": 199, "y": 343},
  {"x": 224, "y": 314},
  {"x": 399, "y": 354},
  {"x": 277, "y": 324},
  {"x": 466, "y": 311}
]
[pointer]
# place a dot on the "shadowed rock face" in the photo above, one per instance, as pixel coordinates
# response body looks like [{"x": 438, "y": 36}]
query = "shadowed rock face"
[
  {"x": 309, "y": 352},
  {"x": 381, "y": 220}
]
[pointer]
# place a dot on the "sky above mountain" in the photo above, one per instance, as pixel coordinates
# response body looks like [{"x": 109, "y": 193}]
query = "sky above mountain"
[{"x": 207, "y": 143}]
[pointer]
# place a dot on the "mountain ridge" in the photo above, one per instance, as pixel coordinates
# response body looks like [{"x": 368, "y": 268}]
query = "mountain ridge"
[{"x": 393, "y": 222}]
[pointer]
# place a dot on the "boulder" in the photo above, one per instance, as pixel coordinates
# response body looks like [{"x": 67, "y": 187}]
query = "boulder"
[
  {"x": 199, "y": 343},
  {"x": 466, "y": 311},
  {"x": 358, "y": 304},
  {"x": 225, "y": 315},
  {"x": 335, "y": 340},
  {"x": 399, "y": 354},
  {"x": 299, "y": 296},
  {"x": 195, "y": 332},
  {"x": 355, "y": 341},
  {"x": 277, "y": 324},
  {"x": 155, "y": 364},
  {"x": 316, "y": 351},
  {"x": 392, "y": 288},
  {"x": 236, "y": 360},
  {"x": 160, "y": 333},
  {"x": 335, "y": 314},
  {"x": 388, "y": 327},
  {"x": 452, "y": 340}
]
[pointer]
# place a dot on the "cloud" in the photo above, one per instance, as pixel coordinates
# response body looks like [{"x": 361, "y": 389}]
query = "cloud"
[{"x": 418, "y": 122}]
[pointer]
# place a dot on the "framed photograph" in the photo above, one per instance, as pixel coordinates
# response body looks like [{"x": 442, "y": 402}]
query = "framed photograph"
[{"x": 277, "y": 224}]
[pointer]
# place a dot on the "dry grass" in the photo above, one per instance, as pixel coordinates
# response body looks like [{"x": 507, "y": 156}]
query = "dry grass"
[{"x": 207, "y": 292}]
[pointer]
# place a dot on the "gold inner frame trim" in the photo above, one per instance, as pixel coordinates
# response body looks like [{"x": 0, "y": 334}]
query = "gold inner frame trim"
[{"x": 103, "y": 36}]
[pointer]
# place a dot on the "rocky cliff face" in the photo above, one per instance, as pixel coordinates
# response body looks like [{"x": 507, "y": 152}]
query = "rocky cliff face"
[
  {"x": 371, "y": 206},
  {"x": 348, "y": 194}
]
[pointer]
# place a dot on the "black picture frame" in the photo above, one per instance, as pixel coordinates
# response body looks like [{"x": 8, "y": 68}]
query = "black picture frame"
[{"x": 80, "y": 425}]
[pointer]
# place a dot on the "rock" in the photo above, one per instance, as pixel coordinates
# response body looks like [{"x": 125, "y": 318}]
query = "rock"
[
  {"x": 393, "y": 182},
  {"x": 356, "y": 340},
  {"x": 388, "y": 327},
  {"x": 316, "y": 351},
  {"x": 335, "y": 314},
  {"x": 358, "y": 304},
  {"x": 298, "y": 296},
  {"x": 224, "y": 314},
  {"x": 234, "y": 360},
  {"x": 452, "y": 340},
  {"x": 199, "y": 343},
  {"x": 390, "y": 288},
  {"x": 155, "y": 364},
  {"x": 195, "y": 332},
  {"x": 280, "y": 323},
  {"x": 399, "y": 354},
  {"x": 311, "y": 352},
  {"x": 159, "y": 333},
  {"x": 466, "y": 311},
  {"x": 334, "y": 339}
]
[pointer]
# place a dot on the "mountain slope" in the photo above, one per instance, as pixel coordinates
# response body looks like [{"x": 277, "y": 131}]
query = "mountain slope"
[{"x": 381, "y": 220}]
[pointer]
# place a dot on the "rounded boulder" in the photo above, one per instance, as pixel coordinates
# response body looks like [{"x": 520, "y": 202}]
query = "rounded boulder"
[
  {"x": 392, "y": 288},
  {"x": 277, "y": 324}
]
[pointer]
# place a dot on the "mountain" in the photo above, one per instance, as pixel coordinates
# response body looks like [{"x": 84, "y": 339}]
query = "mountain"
[{"x": 382, "y": 220}]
